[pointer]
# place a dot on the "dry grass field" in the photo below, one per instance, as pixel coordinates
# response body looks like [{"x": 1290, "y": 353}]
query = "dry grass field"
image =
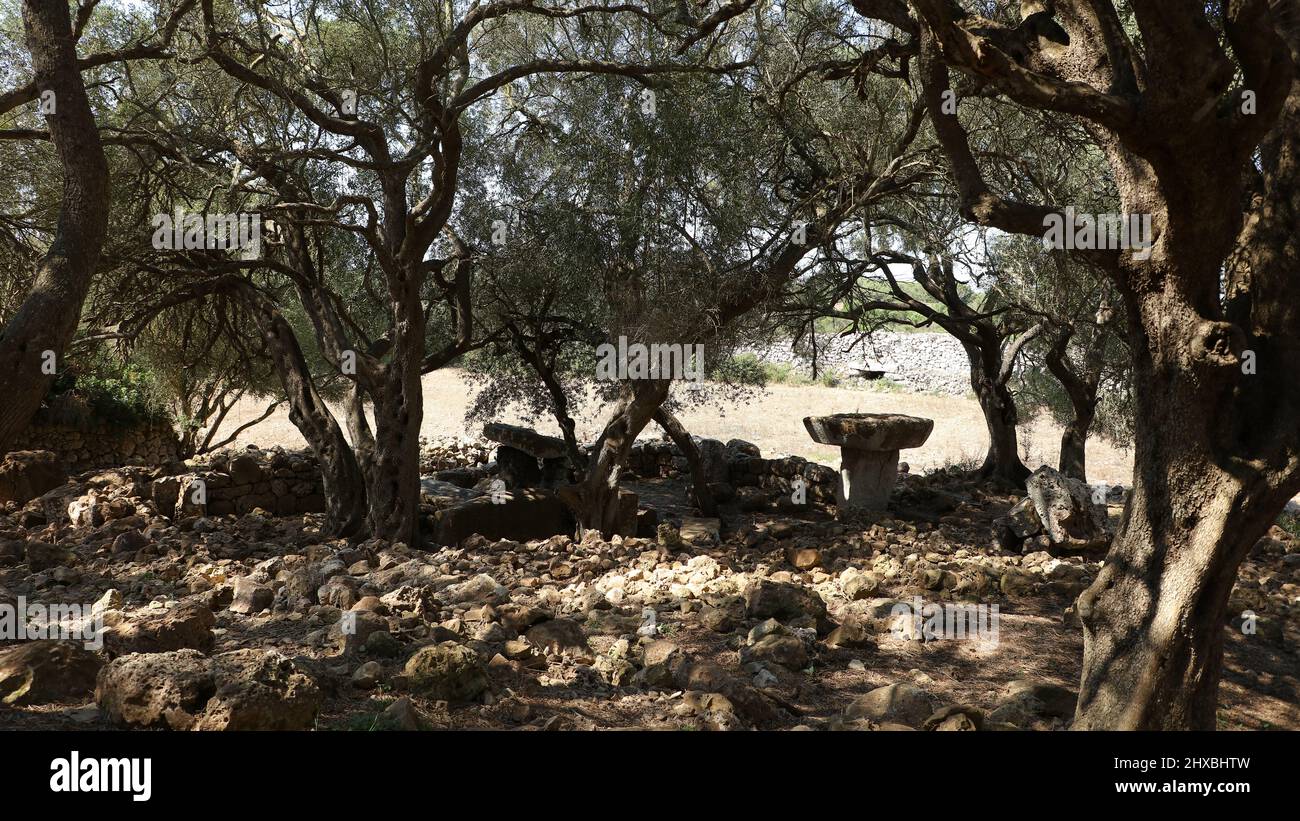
[{"x": 772, "y": 419}]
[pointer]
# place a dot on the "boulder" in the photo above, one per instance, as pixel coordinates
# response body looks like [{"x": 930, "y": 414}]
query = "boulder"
[
  {"x": 402, "y": 715},
  {"x": 39, "y": 672},
  {"x": 896, "y": 704},
  {"x": 185, "y": 690},
  {"x": 1065, "y": 506},
  {"x": 251, "y": 597},
  {"x": 28, "y": 474},
  {"x": 446, "y": 672},
  {"x": 765, "y": 598},
  {"x": 859, "y": 584},
  {"x": 259, "y": 690},
  {"x": 959, "y": 717},
  {"x": 558, "y": 636},
  {"x": 164, "y": 690},
  {"x": 188, "y": 625},
  {"x": 780, "y": 648}
]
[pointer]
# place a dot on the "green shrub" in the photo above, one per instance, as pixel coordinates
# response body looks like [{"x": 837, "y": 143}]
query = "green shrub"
[{"x": 121, "y": 393}]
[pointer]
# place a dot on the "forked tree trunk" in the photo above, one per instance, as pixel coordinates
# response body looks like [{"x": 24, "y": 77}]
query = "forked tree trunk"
[
  {"x": 48, "y": 317},
  {"x": 699, "y": 479},
  {"x": 595, "y": 500},
  {"x": 1082, "y": 393},
  {"x": 344, "y": 485}
]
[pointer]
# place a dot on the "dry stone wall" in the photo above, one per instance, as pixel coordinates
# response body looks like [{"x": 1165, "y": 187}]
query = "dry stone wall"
[
  {"x": 94, "y": 443},
  {"x": 924, "y": 362},
  {"x": 278, "y": 481}
]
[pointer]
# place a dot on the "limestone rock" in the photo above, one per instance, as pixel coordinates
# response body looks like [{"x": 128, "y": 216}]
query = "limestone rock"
[
  {"x": 38, "y": 672},
  {"x": 1070, "y": 518},
  {"x": 184, "y": 690},
  {"x": 558, "y": 636},
  {"x": 446, "y": 672},
  {"x": 897, "y": 703},
  {"x": 186, "y": 626},
  {"x": 251, "y": 597},
  {"x": 28, "y": 474}
]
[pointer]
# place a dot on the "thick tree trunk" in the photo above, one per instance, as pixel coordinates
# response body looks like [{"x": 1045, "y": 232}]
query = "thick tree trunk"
[
  {"x": 394, "y": 491},
  {"x": 1155, "y": 617},
  {"x": 344, "y": 485},
  {"x": 699, "y": 480},
  {"x": 47, "y": 318},
  {"x": 1002, "y": 460},
  {"x": 595, "y": 501},
  {"x": 1074, "y": 438},
  {"x": 1214, "y": 464}
]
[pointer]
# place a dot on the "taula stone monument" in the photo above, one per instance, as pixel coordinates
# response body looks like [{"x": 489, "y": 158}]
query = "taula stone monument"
[
  {"x": 869, "y": 444},
  {"x": 518, "y": 454}
]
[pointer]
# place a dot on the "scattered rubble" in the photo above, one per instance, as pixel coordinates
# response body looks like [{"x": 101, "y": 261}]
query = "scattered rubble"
[{"x": 757, "y": 618}]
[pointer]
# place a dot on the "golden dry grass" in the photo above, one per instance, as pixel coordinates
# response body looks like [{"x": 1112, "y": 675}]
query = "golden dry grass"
[{"x": 773, "y": 420}]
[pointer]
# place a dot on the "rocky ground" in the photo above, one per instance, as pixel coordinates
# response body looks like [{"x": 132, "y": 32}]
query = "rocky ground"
[{"x": 761, "y": 620}]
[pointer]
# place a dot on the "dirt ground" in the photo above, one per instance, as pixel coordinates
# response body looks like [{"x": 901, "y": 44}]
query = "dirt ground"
[
  {"x": 592, "y": 685},
  {"x": 773, "y": 420}
]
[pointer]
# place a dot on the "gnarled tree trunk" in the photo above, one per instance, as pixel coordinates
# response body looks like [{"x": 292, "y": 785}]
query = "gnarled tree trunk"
[
  {"x": 1155, "y": 617},
  {"x": 1002, "y": 460},
  {"x": 699, "y": 480},
  {"x": 595, "y": 500},
  {"x": 344, "y": 484},
  {"x": 47, "y": 318},
  {"x": 398, "y": 405},
  {"x": 1082, "y": 393}
]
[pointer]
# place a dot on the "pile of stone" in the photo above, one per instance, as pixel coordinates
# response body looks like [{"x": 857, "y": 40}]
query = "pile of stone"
[
  {"x": 451, "y": 452},
  {"x": 737, "y": 470}
]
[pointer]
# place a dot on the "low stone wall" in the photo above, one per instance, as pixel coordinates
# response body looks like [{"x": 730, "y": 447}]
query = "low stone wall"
[
  {"x": 280, "y": 482},
  {"x": 737, "y": 467},
  {"x": 930, "y": 362},
  {"x": 93, "y": 444}
]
